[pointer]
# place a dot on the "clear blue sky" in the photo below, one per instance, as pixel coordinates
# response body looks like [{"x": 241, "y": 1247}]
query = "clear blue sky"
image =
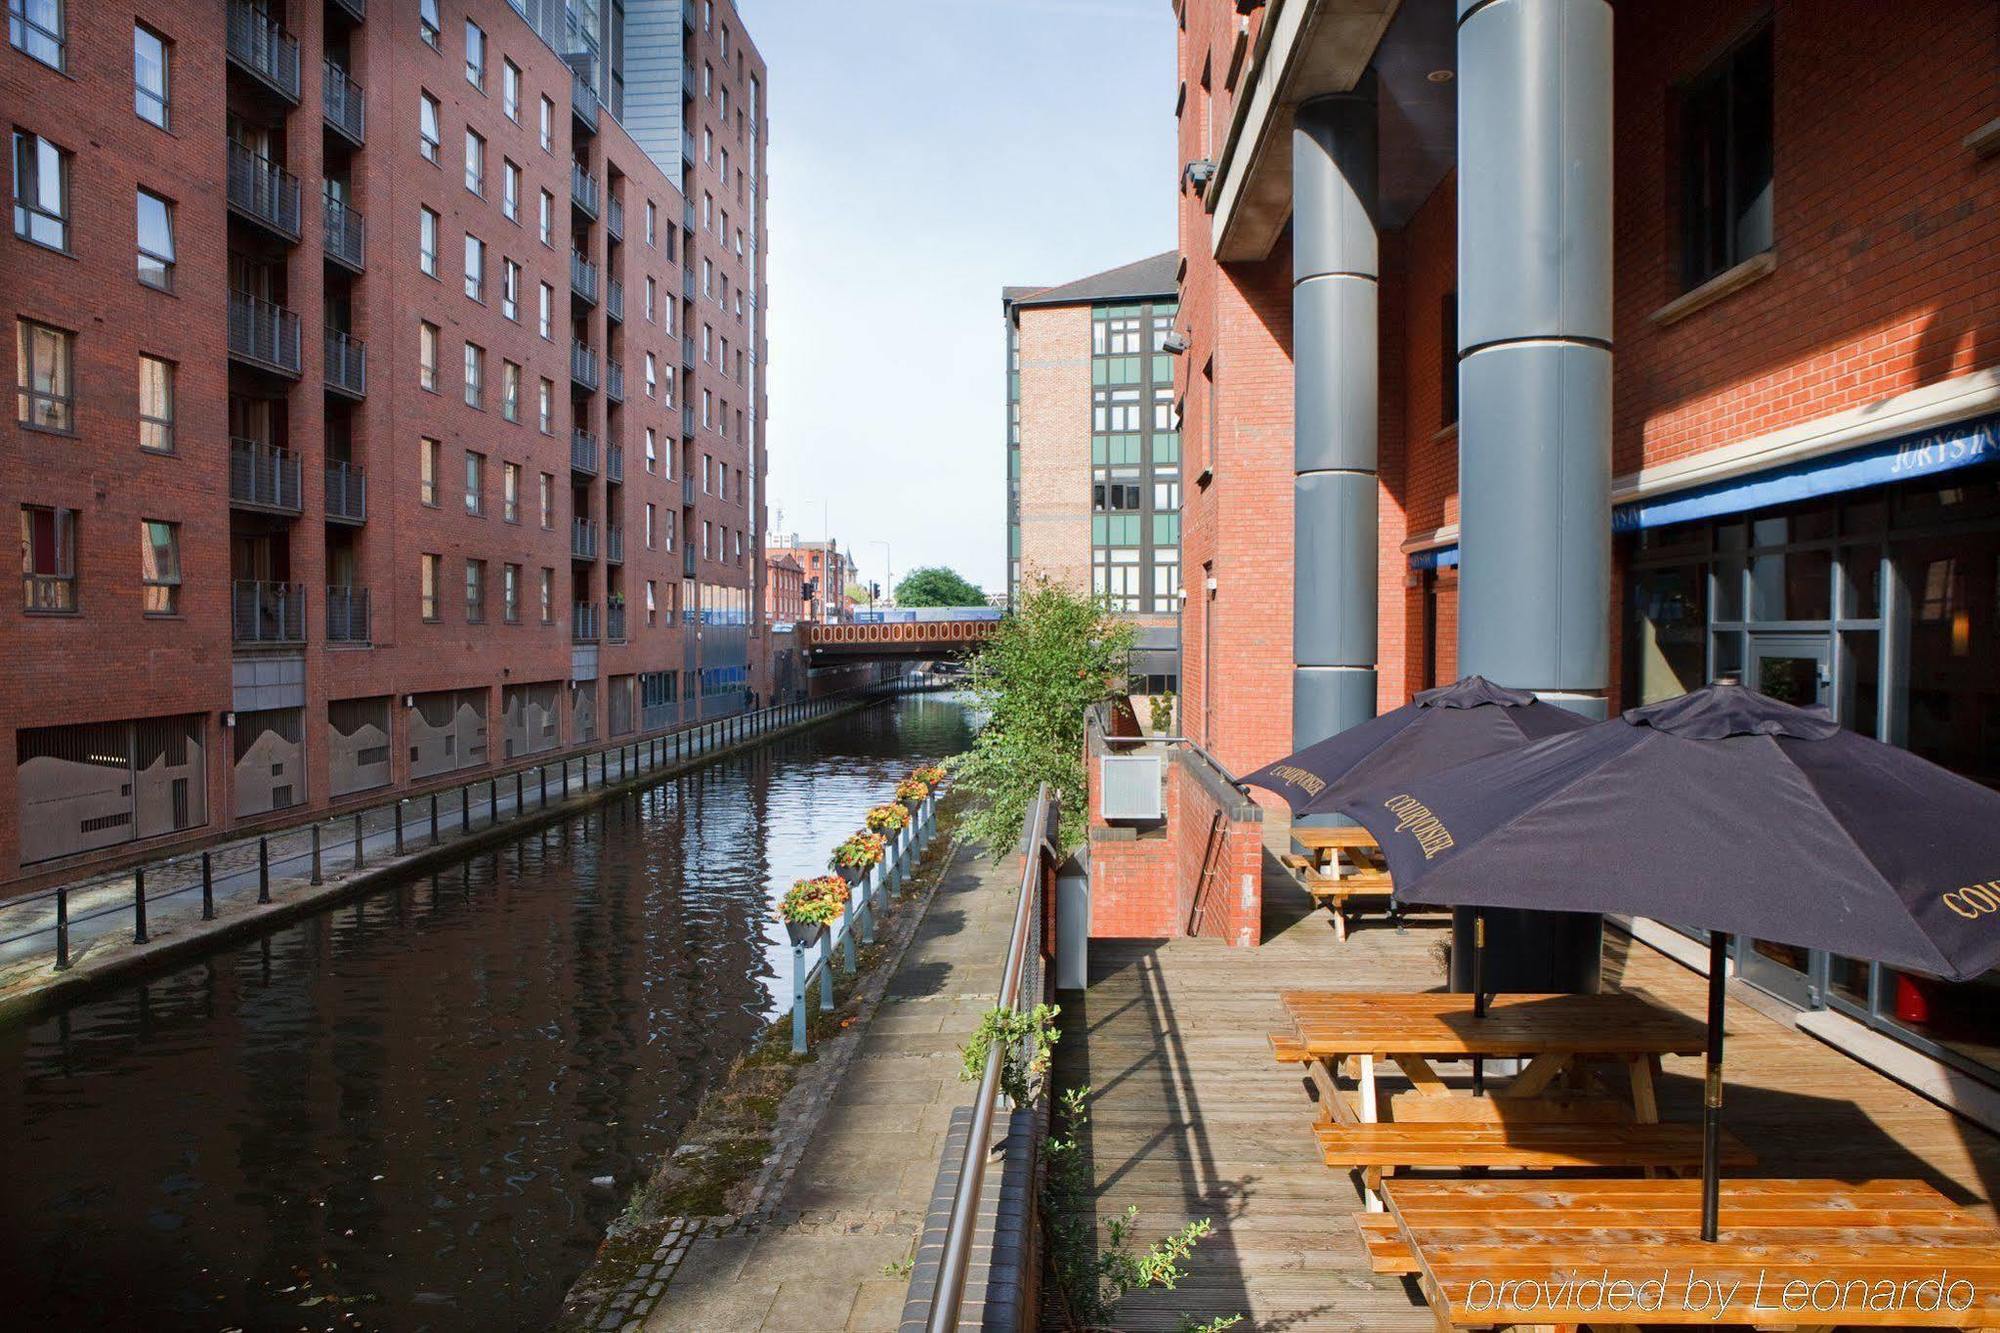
[{"x": 922, "y": 157}]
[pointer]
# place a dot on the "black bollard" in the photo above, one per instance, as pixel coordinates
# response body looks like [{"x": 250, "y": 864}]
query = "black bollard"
[
  {"x": 434, "y": 819},
  {"x": 357, "y": 840},
  {"x": 399, "y": 828},
  {"x": 62, "y": 928},
  {"x": 263, "y": 870},
  {"x": 465, "y": 807},
  {"x": 314, "y": 878},
  {"x": 139, "y": 905},
  {"x": 207, "y": 889}
]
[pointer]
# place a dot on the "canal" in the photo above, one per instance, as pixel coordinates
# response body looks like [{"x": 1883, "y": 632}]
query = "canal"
[{"x": 392, "y": 1114}]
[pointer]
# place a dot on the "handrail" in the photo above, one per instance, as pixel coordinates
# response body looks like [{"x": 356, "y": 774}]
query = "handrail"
[{"x": 956, "y": 1258}]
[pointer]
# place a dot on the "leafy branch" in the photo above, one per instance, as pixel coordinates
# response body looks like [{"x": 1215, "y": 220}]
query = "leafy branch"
[{"x": 1027, "y": 1044}]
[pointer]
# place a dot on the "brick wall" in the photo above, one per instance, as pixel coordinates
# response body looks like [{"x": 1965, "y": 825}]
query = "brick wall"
[{"x": 1055, "y": 444}]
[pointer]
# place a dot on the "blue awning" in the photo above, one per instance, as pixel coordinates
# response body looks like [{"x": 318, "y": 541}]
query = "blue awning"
[{"x": 1438, "y": 557}]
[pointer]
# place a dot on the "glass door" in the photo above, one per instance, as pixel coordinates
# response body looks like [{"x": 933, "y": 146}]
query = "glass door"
[{"x": 1796, "y": 669}]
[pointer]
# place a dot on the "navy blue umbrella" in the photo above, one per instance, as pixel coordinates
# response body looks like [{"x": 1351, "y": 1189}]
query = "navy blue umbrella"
[{"x": 1722, "y": 810}]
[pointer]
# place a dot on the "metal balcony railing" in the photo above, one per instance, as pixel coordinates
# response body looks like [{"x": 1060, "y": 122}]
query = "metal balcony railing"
[
  {"x": 614, "y": 622},
  {"x": 687, "y": 144},
  {"x": 687, "y": 562},
  {"x": 687, "y": 214},
  {"x": 346, "y": 233},
  {"x": 583, "y": 190},
  {"x": 687, "y": 350},
  {"x": 614, "y": 380},
  {"x": 346, "y": 113},
  {"x": 582, "y": 452},
  {"x": 614, "y": 218},
  {"x": 263, "y": 333},
  {"x": 687, "y": 489},
  {"x": 614, "y": 544},
  {"x": 583, "y": 622},
  {"x": 355, "y": 9},
  {"x": 346, "y": 493},
  {"x": 49, "y": 594},
  {"x": 614, "y": 299},
  {"x": 583, "y": 102},
  {"x": 582, "y": 277},
  {"x": 264, "y": 49},
  {"x": 268, "y": 612},
  {"x": 264, "y": 476},
  {"x": 687, "y": 282},
  {"x": 614, "y": 462},
  {"x": 346, "y": 615},
  {"x": 582, "y": 365},
  {"x": 346, "y": 364},
  {"x": 583, "y": 538},
  {"x": 263, "y": 191},
  {"x": 687, "y": 420}
]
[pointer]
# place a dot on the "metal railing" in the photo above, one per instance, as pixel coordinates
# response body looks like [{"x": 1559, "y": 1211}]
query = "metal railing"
[
  {"x": 264, "y": 476},
  {"x": 614, "y": 462},
  {"x": 583, "y": 538},
  {"x": 687, "y": 282},
  {"x": 346, "y": 233},
  {"x": 687, "y": 488},
  {"x": 614, "y": 380},
  {"x": 583, "y": 102},
  {"x": 345, "y": 109},
  {"x": 614, "y": 299},
  {"x": 687, "y": 350},
  {"x": 264, "y": 49},
  {"x": 264, "y": 333},
  {"x": 614, "y": 218},
  {"x": 582, "y": 365},
  {"x": 614, "y": 544},
  {"x": 263, "y": 191},
  {"x": 346, "y": 614},
  {"x": 583, "y": 190},
  {"x": 346, "y": 364},
  {"x": 49, "y": 594},
  {"x": 582, "y": 276},
  {"x": 356, "y": 9},
  {"x": 583, "y": 622},
  {"x": 346, "y": 493},
  {"x": 614, "y": 622},
  {"x": 955, "y": 1259},
  {"x": 582, "y": 451},
  {"x": 264, "y": 612},
  {"x": 687, "y": 561}
]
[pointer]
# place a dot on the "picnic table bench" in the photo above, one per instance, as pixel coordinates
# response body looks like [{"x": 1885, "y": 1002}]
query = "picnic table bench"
[
  {"x": 1793, "y": 1254},
  {"x": 1365, "y": 880}
]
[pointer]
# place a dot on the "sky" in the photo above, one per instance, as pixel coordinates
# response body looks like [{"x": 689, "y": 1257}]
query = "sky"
[{"x": 922, "y": 157}]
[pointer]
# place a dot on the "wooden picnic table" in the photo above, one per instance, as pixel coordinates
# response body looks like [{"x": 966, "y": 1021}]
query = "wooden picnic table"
[
  {"x": 1795, "y": 1254},
  {"x": 1319, "y": 839}
]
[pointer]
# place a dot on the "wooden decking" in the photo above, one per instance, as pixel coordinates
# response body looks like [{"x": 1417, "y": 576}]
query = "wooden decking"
[{"x": 1193, "y": 1118}]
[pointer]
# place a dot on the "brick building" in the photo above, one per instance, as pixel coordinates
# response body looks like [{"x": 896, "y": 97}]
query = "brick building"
[
  {"x": 824, "y": 571},
  {"x": 322, "y": 498},
  {"x": 1680, "y": 358},
  {"x": 1093, "y": 450},
  {"x": 784, "y": 588}
]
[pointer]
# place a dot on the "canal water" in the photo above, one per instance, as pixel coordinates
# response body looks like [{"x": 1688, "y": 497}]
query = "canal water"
[{"x": 391, "y": 1115}]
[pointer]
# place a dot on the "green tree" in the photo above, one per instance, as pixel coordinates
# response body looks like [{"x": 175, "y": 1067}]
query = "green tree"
[
  {"x": 935, "y": 585},
  {"x": 1053, "y": 656}
]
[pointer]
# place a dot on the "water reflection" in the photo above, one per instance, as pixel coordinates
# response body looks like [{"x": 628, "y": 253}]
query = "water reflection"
[{"x": 390, "y": 1114}]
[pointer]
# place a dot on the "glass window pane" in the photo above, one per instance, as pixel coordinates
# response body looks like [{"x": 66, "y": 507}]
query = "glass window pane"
[
  {"x": 1861, "y": 582},
  {"x": 1669, "y": 646},
  {"x": 149, "y": 76},
  {"x": 1791, "y": 585}
]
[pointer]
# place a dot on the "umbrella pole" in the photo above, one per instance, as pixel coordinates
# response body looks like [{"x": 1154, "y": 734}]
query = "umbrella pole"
[
  {"x": 1711, "y": 1110},
  {"x": 1479, "y": 994}
]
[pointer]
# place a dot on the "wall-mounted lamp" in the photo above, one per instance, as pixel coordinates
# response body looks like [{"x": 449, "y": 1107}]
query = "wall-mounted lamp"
[
  {"x": 1199, "y": 173},
  {"x": 229, "y": 719},
  {"x": 1175, "y": 342}
]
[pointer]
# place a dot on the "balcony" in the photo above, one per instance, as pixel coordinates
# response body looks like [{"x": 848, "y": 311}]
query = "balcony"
[
  {"x": 268, "y": 612},
  {"x": 687, "y": 281},
  {"x": 614, "y": 462},
  {"x": 614, "y": 380},
  {"x": 346, "y": 615},
  {"x": 346, "y": 365},
  {"x": 582, "y": 277},
  {"x": 583, "y": 622},
  {"x": 687, "y": 215},
  {"x": 687, "y": 562},
  {"x": 346, "y": 494},
  {"x": 687, "y": 420},
  {"x": 583, "y": 104},
  {"x": 614, "y": 300},
  {"x": 346, "y": 114},
  {"x": 614, "y": 546},
  {"x": 263, "y": 334},
  {"x": 614, "y": 218},
  {"x": 583, "y": 365},
  {"x": 49, "y": 594},
  {"x": 583, "y": 538},
  {"x": 356, "y": 10},
  {"x": 263, "y": 192},
  {"x": 614, "y": 622},
  {"x": 345, "y": 235},
  {"x": 687, "y": 489},
  {"x": 264, "y": 50},
  {"x": 582, "y": 452},
  {"x": 263, "y": 476},
  {"x": 687, "y": 351},
  {"x": 583, "y": 191}
]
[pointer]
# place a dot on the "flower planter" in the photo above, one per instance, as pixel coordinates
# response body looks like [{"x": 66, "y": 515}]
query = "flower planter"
[{"x": 803, "y": 934}]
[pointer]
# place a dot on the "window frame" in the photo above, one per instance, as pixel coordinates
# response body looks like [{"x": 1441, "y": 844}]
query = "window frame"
[
  {"x": 430, "y": 574},
  {"x": 26, "y": 213},
  {"x": 1710, "y": 232},
  {"x": 430, "y": 138},
  {"x": 27, "y": 397},
  {"x": 141, "y": 94},
  {"x": 475, "y": 162},
  {"x": 475, "y": 483},
  {"x": 163, "y": 586},
  {"x": 429, "y": 225},
  {"x": 24, "y": 33},
  {"x": 164, "y": 424},
  {"x": 164, "y": 262},
  {"x": 475, "y": 55},
  {"x": 510, "y": 90},
  {"x": 430, "y": 457}
]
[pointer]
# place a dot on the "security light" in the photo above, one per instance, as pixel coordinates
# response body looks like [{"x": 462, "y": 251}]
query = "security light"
[{"x": 1175, "y": 342}]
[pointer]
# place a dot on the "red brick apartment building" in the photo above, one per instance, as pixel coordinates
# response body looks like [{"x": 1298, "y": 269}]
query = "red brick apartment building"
[
  {"x": 784, "y": 589},
  {"x": 324, "y": 497},
  {"x": 1602, "y": 350},
  {"x": 823, "y": 574}
]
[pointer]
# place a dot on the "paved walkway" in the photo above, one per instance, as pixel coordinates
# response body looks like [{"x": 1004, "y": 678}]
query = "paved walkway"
[{"x": 823, "y": 1255}]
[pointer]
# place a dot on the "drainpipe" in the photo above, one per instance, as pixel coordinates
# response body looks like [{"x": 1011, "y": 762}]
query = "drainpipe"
[
  {"x": 1534, "y": 374},
  {"x": 1335, "y": 282}
]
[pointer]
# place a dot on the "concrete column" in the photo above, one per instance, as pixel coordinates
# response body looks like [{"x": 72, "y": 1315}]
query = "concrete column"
[
  {"x": 1335, "y": 281},
  {"x": 1534, "y": 375}
]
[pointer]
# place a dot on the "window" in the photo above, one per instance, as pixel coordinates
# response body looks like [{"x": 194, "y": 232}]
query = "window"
[
  {"x": 649, "y": 299},
  {"x": 475, "y": 375},
  {"x": 427, "y": 241},
  {"x": 546, "y": 311},
  {"x": 427, "y": 471},
  {"x": 428, "y": 134},
  {"x": 548, "y": 596},
  {"x": 649, "y": 525},
  {"x": 510, "y": 90},
  {"x": 149, "y": 75},
  {"x": 427, "y": 356},
  {"x": 431, "y": 572},
  {"x": 548, "y": 218},
  {"x": 548, "y": 126},
  {"x": 1726, "y": 162},
  {"x": 510, "y": 290},
  {"x": 475, "y": 55},
  {"x": 41, "y": 191},
  {"x": 475, "y": 592},
  {"x": 510, "y": 593},
  {"x": 510, "y": 190},
  {"x": 42, "y": 356},
  {"x": 707, "y": 475},
  {"x": 1448, "y": 361},
  {"x": 475, "y": 162},
  {"x": 707, "y": 145},
  {"x": 548, "y": 500},
  {"x": 48, "y": 559},
  {"x": 652, "y": 213},
  {"x": 546, "y": 407},
  {"x": 510, "y": 390},
  {"x": 652, "y": 452},
  {"x": 428, "y": 23},
  {"x": 36, "y": 27},
  {"x": 652, "y": 376},
  {"x": 475, "y": 267},
  {"x": 652, "y": 604},
  {"x": 475, "y": 483},
  {"x": 159, "y": 567},
  {"x": 510, "y": 492},
  {"x": 156, "y": 405}
]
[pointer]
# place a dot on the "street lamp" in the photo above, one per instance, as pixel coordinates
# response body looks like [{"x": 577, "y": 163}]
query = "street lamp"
[{"x": 888, "y": 565}]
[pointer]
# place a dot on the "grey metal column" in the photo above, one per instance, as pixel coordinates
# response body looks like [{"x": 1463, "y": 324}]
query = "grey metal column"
[
  {"x": 1534, "y": 376},
  {"x": 1335, "y": 272}
]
